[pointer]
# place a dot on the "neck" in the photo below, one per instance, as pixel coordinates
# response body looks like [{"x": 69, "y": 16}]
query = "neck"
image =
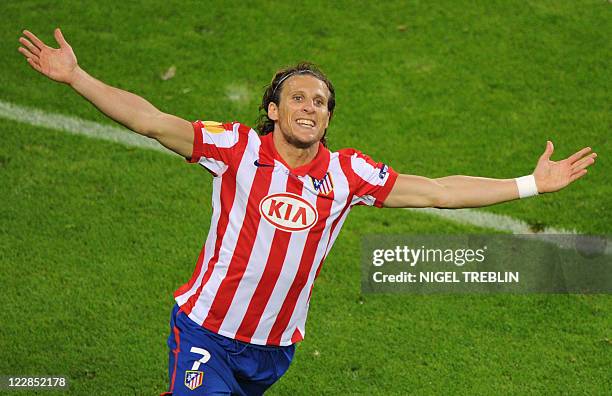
[{"x": 292, "y": 155}]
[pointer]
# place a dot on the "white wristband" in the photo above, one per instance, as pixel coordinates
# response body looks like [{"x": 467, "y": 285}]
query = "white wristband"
[{"x": 526, "y": 186}]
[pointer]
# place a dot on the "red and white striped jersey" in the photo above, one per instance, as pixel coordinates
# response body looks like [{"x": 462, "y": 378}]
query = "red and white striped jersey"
[{"x": 270, "y": 231}]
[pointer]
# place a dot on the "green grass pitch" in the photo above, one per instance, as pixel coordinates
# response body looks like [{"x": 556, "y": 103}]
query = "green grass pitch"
[{"x": 96, "y": 236}]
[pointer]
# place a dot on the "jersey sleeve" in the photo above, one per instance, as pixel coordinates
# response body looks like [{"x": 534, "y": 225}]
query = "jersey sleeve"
[
  {"x": 371, "y": 181},
  {"x": 214, "y": 145}
]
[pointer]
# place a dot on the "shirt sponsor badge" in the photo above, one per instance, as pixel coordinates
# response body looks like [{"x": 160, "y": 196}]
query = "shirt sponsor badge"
[
  {"x": 288, "y": 212},
  {"x": 193, "y": 379}
]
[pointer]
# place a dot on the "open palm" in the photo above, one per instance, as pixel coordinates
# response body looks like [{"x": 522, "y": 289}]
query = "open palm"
[
  {"x": 57, "y": 64},
  {"x": 552, "y": 176}
]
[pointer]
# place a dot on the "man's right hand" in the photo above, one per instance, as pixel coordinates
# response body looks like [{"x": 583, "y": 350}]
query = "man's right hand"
[
  {"x": 57, "y": 64},
  {"x": 126, "y": 108}
]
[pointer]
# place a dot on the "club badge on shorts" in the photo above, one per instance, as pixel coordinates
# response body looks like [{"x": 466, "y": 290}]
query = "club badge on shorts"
[{"x": 193, "y": 379}]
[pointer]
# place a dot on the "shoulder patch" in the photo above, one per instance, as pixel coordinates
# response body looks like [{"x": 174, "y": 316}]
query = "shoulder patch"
[{"x": 214, "y": 127}]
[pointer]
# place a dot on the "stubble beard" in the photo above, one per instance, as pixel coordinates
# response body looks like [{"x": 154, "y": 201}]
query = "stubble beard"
[{"x": 295, "y": 141}]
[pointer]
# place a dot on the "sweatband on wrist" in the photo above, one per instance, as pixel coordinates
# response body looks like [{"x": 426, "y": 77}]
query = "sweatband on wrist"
[{"x": 526, "y": 186}]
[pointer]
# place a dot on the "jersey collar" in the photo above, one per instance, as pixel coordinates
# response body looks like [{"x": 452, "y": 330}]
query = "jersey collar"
[{"x": 316, "y": 168}]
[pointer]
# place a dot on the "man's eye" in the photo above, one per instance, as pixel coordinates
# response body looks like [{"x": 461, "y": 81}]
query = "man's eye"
[
  {"x": 319, "y": 102},
  {"x": 297, "y": 97}
]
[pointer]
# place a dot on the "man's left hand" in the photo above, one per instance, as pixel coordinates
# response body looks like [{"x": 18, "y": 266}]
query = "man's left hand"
[{"x": 551, "y": 176}]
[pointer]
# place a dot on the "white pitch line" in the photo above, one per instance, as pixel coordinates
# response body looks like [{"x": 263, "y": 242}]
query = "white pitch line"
[
  {"x": 518, "y": 227},
  {"x": 489, "y": 220},
  {"x": 78, "y": 126}
]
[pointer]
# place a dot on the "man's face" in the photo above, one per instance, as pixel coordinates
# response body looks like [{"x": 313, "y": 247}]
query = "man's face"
[{"x": 302, "y": 115}]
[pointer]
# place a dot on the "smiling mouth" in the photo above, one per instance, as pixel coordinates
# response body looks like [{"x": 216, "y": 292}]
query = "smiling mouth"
[{"x": 305, "y": 123}]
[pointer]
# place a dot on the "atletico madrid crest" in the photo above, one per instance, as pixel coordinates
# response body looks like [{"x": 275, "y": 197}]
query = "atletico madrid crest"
[
  {"x": 323, "y": 186},
  {"x": 193, "y": 379}
]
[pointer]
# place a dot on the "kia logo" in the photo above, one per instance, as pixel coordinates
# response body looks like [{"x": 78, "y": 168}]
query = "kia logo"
[{"x": 288, "y": 212}]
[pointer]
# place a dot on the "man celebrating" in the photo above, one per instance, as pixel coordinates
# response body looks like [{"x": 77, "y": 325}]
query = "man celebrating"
[{"x": 280, "y": 198}]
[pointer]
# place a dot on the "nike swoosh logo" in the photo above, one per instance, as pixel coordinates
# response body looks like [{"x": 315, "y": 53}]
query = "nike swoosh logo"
[{"x": 256, "y": 163}]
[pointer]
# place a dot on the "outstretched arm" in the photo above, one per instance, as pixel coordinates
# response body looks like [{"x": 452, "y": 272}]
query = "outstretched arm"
[
  {"x": 124, "y": 107},
  {"x": 466, "y": 192}
]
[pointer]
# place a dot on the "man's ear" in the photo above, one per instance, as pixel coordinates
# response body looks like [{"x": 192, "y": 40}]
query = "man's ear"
[{"x": 273, "y": 111}]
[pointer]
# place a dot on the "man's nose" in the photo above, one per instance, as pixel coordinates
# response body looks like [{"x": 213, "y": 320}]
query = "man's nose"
[{"x": 308, "y": 106}]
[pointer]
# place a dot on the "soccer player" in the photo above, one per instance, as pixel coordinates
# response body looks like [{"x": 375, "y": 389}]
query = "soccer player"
[{"x": 280, "y": 198}]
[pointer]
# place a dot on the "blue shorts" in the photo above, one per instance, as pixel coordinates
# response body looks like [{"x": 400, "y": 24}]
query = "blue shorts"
[{"x": 205, "y": 363}]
